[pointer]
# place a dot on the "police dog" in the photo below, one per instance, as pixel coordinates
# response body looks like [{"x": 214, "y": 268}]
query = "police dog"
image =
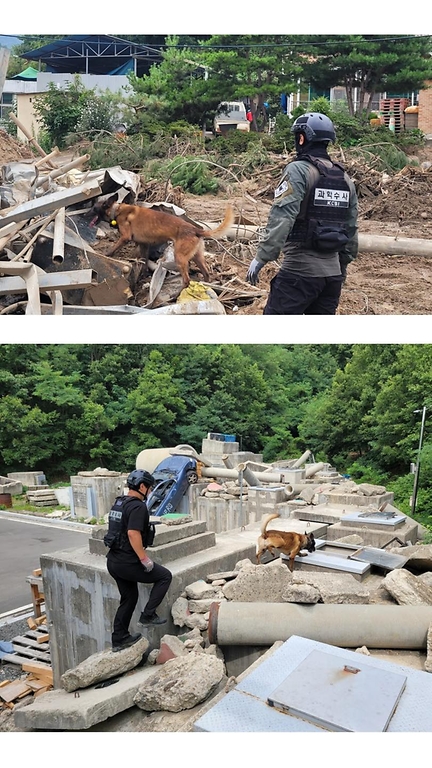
[
  {"x": 288, "y": 542},
  {"x": 150, "y": 227}
]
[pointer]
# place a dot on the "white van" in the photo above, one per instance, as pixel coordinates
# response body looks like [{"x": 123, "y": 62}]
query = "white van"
[{"x": 230, "y": 115}]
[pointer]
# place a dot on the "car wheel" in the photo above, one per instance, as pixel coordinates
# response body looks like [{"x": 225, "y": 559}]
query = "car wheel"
[{"x": 192, "y": 478}]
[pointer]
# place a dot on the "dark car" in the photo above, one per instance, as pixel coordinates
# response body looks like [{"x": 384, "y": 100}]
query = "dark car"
[{"x": 173, "y": 477}]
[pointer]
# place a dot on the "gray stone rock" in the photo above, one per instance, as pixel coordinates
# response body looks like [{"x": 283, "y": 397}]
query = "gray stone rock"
[
  {"x": 103, "y": 665},
  {"x": 203, "y": 606},
  {"x": 426, "y": 578},
  {"x": 367, "y": 489},
  {"x": 428, "y": 662},
  {"x": 308, "y": 493},
  {"x": 242, "y": 564},
  {"x": 335, "y": 587},
  {"x": 197, "y": 621},
  {"x": 407, "y": 589},
  {"x": 180, "y": 611},
  {"x": 420, "y": 555},
  {"x": 194, "y": 634},
  {"x": 301, "y": 593},
  {"x": 261, "y": 583},
  {"x": 200, "y": 590},
  {"x": 363, "y": 650},
  {"x": 180, "y": 683}
]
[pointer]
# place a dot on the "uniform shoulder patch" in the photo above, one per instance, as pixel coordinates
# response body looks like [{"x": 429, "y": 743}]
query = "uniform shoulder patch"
[{"x": 285, "y": 188}]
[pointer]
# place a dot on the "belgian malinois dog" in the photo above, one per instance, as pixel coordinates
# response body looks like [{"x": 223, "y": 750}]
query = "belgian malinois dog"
[
  {"x": 150, "y": 227},
  {"x": 288, "y": 542}
]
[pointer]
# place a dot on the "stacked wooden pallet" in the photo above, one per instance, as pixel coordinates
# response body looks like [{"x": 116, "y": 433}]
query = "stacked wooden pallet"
[
  {"x": 394, "y": 108},
  {"x": 31, "y": 652}
]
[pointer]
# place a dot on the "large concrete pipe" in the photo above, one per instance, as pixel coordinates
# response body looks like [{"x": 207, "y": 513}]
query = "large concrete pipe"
[
  {"x": 304, "y": 457},
  {"x": 248, "y": 476},
  {"x": 313, "y": 469},
  {"x": 346, "y": 626},
  {"x": 272, "y": 478}
]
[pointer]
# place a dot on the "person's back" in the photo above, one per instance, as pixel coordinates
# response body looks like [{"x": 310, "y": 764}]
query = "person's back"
[{"x": 313, "y": 223}]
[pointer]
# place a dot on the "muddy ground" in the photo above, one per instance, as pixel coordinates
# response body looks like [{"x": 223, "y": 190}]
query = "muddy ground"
[{"x": 377, "y": 284}]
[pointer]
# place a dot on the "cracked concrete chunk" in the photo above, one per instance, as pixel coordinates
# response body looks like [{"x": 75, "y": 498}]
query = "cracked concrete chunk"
[
  {"x": 103, "y": 665},
  {"x": 301, "y": 593},
  {"x": 367, "y": 489},
  {"x": 407, "y": 589},
  {"x": 261, "y": 583},
  {"x": 335, "y": 588},
  {"x": 200, "y": 590},
  {"x": 420, "y": 555},
  {"x": 181, "y": 683},
  {"x": 203, "y": 606},
  {"x": 180, "y": 611}
]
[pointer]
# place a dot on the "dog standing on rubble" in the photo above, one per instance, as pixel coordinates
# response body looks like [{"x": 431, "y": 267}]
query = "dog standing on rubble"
[
  {"x": 288, "y": 542},
  {"x": 149, "y": 227}
]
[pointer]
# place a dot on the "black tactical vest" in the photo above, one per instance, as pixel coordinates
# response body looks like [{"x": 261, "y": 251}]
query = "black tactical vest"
[
  {"x": 324, "y": 212},
  {"x": 116, "y": 535}
]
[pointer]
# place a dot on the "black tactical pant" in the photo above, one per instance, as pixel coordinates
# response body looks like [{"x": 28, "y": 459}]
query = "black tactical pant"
[
  {"x": 291, "y": 294},
  {"x": 127, "y": 577}
]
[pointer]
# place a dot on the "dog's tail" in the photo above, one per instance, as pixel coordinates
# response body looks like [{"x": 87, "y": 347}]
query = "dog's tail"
[
  {"x": 266, "y": 520},
  {"x": 223, "y": 227}
]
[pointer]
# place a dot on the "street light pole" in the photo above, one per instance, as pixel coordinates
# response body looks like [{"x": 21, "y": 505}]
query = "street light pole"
[{"x": 417, "y": 469}]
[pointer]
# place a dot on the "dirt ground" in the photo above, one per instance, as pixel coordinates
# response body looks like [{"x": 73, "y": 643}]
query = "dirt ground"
[{"x": 377, "y": 284}]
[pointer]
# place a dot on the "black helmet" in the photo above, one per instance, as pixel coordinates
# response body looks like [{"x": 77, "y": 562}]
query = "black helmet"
[
  {"x": 138, "y": 476},
  {"x": 315, "y": 126}
]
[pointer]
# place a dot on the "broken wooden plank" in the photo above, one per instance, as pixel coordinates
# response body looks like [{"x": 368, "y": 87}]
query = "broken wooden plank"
[
  {"x": 28, "y": 135},
  {"x": 51, "y": 202},
  {"x": 37, "y": 572},
  {"x": 14, "y": 690},
  {"x": 40, "y": 670},
  {"x": 43, "y": 638}
]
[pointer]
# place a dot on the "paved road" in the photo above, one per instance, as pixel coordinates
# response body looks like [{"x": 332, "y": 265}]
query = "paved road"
[{"x": 21, "y": 545}]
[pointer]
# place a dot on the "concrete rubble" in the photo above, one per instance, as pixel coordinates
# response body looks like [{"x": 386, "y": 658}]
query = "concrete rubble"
[
  {"x": 103, "y": 666},
  {"x": 184, "y": 669},
  {"x": 182, "y": 683},
  {"x": 50, "y": 262}
]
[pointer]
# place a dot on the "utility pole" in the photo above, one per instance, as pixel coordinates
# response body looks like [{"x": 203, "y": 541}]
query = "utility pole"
[
  {"x": 417, "y": 469},
  {"x": 4, "y": 63}
]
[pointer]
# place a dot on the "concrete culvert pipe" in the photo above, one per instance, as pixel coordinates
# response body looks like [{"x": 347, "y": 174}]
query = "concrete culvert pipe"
[{"x": 346, "y": 626}]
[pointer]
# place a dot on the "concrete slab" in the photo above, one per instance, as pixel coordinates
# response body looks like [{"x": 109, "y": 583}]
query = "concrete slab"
[
  {"x": 246, "y": 708},
  {"x": 375, "y": 537},
  {"x": 370, "y": 521},
  {"x": 61, "y": 711},
  {"x": 324, "y": 562},
  {"x": 320, "y": 513}
]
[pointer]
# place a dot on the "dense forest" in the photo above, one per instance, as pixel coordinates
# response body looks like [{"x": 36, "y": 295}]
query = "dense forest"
[{"x": 71, "y": 407}]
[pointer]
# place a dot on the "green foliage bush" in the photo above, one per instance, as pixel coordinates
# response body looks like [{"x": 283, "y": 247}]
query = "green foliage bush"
[{"x": 192, "y": 174}]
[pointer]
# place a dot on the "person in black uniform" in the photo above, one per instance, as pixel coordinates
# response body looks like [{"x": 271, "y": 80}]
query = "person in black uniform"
[
  {"x": 128, "y": 562},
  {"x": 313, "y": 221}
]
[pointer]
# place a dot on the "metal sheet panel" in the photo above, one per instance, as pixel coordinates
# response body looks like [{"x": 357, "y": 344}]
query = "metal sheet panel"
[{"x": 326, "y": 690}]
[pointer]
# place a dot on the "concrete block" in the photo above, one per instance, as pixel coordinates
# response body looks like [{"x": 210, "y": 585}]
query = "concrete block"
[
  {"x": 61, "y": 711},
  {"x": 218, "y": 447},
  {"x": 264, "y": 501},
  {"x": 7, "y": 485},
  {"x": 356, "y": 499},
  {"x": 373, "y": 537},
  {"x": 93, "y": 495},
  {"x": 28, "y": 478}
]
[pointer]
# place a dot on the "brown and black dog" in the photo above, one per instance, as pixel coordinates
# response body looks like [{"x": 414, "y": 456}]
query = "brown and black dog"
[
  {"x": 150, "y": 227},
  {"x": 288, "y": 542}
]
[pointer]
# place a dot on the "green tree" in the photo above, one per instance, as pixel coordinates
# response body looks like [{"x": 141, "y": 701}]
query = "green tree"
[{"x": 369, "y": 63}]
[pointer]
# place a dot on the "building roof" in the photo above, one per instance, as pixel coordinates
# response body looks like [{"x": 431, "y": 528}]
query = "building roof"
[
  {"x": 30, "y": 73},
  {"x": 96, "y": 54}
]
